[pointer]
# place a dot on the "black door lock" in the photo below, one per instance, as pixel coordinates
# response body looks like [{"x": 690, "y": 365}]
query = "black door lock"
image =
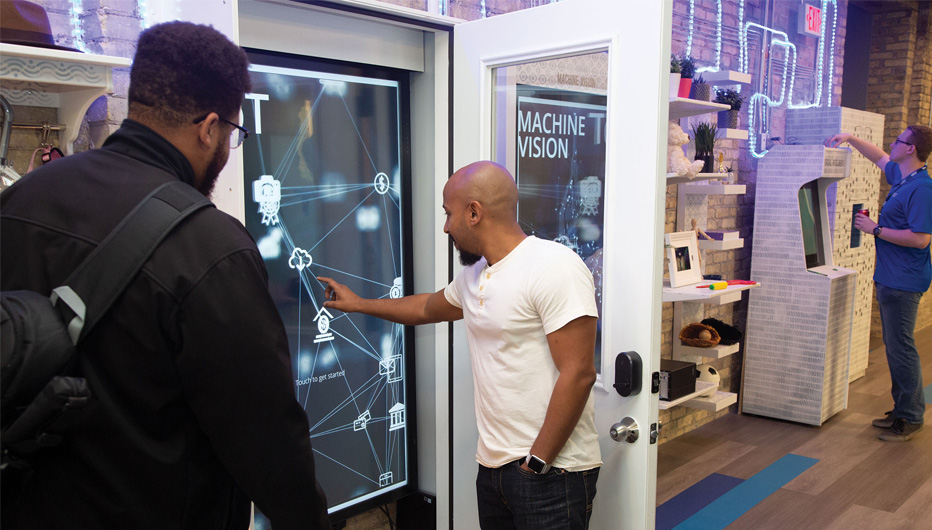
[{"x": 628, "y": 373}]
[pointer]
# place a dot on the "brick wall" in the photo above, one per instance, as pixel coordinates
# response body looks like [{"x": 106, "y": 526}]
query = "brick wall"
[{"x": 900, "y": 87}]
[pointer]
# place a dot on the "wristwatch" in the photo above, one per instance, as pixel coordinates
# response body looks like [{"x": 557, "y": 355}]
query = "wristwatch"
[
  {"x": 877, "y": 230},
  {"x": 537, "y": 465}
]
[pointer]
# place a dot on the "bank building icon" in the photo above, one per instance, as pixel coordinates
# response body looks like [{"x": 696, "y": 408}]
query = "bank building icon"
[
  {"x": 323, "y": 326},
  {"x": 396, "y": 417}
]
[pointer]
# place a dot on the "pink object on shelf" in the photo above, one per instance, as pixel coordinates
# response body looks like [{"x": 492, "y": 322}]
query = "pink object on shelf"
[{"x": 685, "y": 85}]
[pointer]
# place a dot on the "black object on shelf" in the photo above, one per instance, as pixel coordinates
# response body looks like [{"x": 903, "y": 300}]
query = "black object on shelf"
[
  {"x": 730, "y": 334},
  {"x": 677, "y": 379}
]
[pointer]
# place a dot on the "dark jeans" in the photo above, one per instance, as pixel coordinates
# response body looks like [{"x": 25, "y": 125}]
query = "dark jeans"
[
  {"x": 898, "y": 311},
  {"x": 511, "y": 498}
]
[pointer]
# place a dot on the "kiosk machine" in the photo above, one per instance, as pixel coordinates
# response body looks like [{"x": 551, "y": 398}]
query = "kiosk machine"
[{"x": 799, "y": 320}]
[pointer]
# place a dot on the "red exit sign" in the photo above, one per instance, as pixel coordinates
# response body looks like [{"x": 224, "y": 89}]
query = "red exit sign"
[{"x": 810, "y": 20}]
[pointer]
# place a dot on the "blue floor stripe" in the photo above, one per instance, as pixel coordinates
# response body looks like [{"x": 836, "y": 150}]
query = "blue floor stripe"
[
  {"x": 690, "y": 501},
  {"x": 736, "y": 502}
]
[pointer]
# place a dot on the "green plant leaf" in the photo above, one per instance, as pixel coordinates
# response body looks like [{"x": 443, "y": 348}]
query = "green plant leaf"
[{"x": 704, "y": 134}]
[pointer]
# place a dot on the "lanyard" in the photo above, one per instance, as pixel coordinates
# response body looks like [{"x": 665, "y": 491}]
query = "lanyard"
[
  {"x": 905, "y": 179},
  {"x": 896, "y": 186}
]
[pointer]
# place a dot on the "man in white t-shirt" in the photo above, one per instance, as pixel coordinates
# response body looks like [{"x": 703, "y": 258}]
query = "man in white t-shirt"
[{"x": 530, "y": 313}]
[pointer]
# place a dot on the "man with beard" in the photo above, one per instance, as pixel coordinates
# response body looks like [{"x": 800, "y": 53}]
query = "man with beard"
[
  {"x": 530, "y": 314},
  {"x": 193, "y": 413}
]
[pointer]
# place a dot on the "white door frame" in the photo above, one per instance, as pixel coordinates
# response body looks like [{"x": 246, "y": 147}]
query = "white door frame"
[{"x": 635, "y": 188}]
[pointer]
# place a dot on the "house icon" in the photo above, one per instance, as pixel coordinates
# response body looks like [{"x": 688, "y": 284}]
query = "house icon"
[{"x": 323, "y": 325}]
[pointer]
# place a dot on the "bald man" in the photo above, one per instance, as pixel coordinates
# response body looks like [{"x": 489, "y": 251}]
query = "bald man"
[{"x": 530, "y": 314}]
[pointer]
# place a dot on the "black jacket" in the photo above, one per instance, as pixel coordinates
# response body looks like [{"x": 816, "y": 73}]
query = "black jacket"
[{"x": 194, "y": 411}]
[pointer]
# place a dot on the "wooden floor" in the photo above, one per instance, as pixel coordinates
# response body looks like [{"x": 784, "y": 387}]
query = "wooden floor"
[{"x": 859, "y": 481}]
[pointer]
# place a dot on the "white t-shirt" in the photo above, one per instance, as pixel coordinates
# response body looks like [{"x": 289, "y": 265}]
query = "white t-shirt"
[{"x": 509, "y": 308}]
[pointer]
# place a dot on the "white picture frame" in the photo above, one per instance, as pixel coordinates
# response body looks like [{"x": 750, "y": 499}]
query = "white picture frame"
[{"x": 683, "y": 258}]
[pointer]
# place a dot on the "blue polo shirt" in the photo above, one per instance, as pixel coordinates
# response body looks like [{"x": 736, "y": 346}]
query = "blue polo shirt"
[{"x": 908, "y": 207}]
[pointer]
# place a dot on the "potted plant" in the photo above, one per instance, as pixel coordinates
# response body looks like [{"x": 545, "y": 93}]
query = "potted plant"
[
  {"x": 728, "y": 119},
  {"x": 701, "y": 90},
  {"x": 674, "y": 76},
  {"x": 687, "y": 71},
  {"x": 704, "y": 135}
]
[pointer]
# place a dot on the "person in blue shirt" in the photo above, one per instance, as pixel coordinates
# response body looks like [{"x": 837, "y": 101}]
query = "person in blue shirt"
[{"x": 904, "y": 268}]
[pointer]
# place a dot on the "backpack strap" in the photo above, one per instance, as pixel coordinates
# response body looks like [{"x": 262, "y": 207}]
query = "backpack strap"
[{"x": 91, "y": 289}]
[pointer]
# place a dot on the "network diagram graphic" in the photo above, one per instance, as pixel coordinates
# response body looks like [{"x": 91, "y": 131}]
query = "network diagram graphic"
[{"x": 326, "y": 201}]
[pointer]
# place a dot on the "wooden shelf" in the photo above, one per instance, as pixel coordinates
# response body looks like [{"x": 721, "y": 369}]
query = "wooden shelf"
[
  {"x": 673, "y": 179},
  {"x": 726, "y": 78},
  {"x": 685, "y": 107},
  {"x": 715, "y": 188},
  {"x": 65, "y": 56},
  {"x": 691, "y": 293},
  {"x": 680, "y": 350},
  {"x": 70, "y": 81},
  {"x": 714, "y": 403},
  {"x": 701, "y": 387},
  {"x": 732, "y": 134},
  {"x": 730, "y": 244}
]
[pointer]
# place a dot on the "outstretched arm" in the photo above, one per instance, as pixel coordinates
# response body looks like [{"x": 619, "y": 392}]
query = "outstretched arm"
[
  {"x": 573, "y": 350},
  {"x": 409, "y": 310},
  {"x": 869, "y": 150}
]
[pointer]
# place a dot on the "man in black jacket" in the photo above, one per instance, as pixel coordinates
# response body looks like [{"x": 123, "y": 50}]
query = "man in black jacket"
[{"x": 194, "y": 413}]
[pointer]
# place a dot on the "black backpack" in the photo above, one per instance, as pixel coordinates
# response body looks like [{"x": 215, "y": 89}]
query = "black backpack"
[{"x": 38, "y": 333}]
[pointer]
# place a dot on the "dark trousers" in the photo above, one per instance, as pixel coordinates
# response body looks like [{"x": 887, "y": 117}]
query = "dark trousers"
[
  {"x": 898, "y": 310},
  {"x": 511, "y": 498}
]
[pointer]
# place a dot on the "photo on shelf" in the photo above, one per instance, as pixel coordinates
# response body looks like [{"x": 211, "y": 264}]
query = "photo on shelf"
[{"x": 683, "y": 255}]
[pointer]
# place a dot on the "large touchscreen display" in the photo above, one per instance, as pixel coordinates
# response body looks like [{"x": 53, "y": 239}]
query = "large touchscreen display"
[{"x": 323, "y": 184}]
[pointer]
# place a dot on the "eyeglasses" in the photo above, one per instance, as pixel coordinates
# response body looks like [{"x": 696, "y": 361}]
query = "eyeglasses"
[
  {"x": 898, "y": 141},
  {"x": 237, "y": 136}
]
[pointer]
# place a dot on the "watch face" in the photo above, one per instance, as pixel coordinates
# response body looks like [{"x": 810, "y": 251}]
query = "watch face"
[{"x": 536, "y": 464}]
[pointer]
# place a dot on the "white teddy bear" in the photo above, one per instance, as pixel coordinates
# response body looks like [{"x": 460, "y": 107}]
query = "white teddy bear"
[{"x": 677, "y": 162}]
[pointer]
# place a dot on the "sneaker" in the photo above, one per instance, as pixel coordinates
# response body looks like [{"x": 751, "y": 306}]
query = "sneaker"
[
  {"x": 901, "y": 431},
  {"x": 886, "y": 422}
]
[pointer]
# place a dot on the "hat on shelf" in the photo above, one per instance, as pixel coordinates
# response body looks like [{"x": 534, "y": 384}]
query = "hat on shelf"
[
  {"x": 729, "y": 334},
  {"x": 28, "y": 24}
]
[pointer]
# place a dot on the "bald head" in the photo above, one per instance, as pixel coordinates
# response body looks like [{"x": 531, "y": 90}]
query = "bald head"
[
  {"x": 490, "y": 185},
  {"x": 481, "y": 206}
]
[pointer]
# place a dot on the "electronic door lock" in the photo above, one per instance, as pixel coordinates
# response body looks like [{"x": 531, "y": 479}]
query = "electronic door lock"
[{"x": 628, "y": 374}]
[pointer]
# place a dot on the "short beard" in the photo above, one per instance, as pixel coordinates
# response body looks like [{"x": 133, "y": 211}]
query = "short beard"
[
  {"x": 212, "y": 174},
  {"x": 468, "y": 258}
]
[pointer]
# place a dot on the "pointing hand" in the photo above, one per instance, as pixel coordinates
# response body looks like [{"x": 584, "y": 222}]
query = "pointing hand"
[{"x": 338, "y": 296}]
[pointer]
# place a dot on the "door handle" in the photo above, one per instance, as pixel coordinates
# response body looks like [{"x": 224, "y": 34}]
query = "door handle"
[{"x": 625, "y": 431}]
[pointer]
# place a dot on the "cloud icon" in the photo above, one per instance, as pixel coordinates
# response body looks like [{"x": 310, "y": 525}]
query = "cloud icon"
[{"x": 300, "y": 259}]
